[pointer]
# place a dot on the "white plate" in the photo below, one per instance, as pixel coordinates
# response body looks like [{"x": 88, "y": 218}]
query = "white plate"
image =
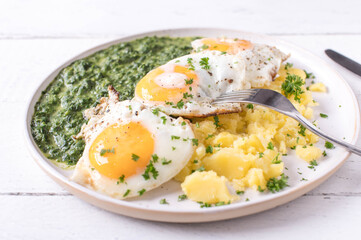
[{"x": 343, "y": 122}]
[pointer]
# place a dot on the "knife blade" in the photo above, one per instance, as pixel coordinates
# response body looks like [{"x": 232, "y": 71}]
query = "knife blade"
[{"x": 344, "y": 61}]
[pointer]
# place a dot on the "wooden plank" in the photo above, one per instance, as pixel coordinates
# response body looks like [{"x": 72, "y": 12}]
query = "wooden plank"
[
  {"x": 96, "y": 18},
  {"x": 65, "y": 217}
]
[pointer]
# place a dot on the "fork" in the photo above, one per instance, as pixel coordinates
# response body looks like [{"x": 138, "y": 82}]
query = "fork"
[{"x": 278, "y": 102}]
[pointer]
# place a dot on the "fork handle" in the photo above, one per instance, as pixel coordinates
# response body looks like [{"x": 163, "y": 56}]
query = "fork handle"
[{"x": 318, "y": 132}]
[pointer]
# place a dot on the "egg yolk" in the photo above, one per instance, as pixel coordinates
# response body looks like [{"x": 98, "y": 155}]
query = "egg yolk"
[
  {"x": 122, "y": 149},
  {"x": 231, "y": 47},
  {"x": 167, "y": 83}
]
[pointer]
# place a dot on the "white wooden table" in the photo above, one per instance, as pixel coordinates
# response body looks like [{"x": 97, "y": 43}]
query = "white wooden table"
[{"x": 36, "y": 36}]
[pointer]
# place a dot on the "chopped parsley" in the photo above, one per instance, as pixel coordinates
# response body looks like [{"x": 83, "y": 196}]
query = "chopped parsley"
[
  {"x": 195, "y": 142},
  {"x": 189, "y": 81},
  {"x": 195, "y": 161},
  {"x": 190, "y": 63},
  {"x": 323, "y": 115},
  {"x": 205, "y": 205},
  {"x": 197, "y": 124},
  {"x": 313, "y": 164},
  {"x": 174, "y": 137},
  {"x": 277, "y": 184},
  {"x": 209, "y": 149},
  {"x": 288, "y": 66},
  {"x": 324, "y": 153},
  {"x": 261, "y": 155},
  {"x": 187, "y": 95},
  {"x": 141, "y": 192},
  {"x": 164, "y": 119},
  {"x": 173, "y": 148},
  {"x": 239, "y": 192},
  {"x": 135, "y": 157},
  {"x": 293, "y": 148},
  {"x": 250, "y": 106},
  {"x": 201, "y": 169},
  {"x": 163, "y": 201},
  {"x": 309, "y": 75},
  {"x": 304, "y": 179},
  {"x": 302, "y": 130},
  {"x": 150, "y": 169},
  {"x": 130, "y": 107},
  {"x": 182, "y": 197},
  {"x": 275, "y": 160},
  {"x": 209, "y": 136},
  {"x": 216, "y": 121},
  {"x": 293, "y": 86},
  {"x": 155, "y": 111},
  {"x": 179, "y": 104},
  {"x": 121, "y": 179},
  {"x": 165, "y": 161},
  {"x": 260, "y": 189},
  {"x": 184, "y": 123},
  {"x": 126, "y": 193},
  {"x": 329, "y": 145},
  {"x": 270, "y": 146},
  {"x": 105, "y": 150},
  {"x": 204, "y": 63}
]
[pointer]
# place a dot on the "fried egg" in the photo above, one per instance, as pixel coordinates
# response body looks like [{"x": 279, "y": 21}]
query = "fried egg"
[
  {"x": 131, "y": 149},
  {"x": 262, "y": 61},
  {"x": 186, "y": 86}
]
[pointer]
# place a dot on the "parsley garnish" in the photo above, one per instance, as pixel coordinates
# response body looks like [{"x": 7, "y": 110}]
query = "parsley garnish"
[
  {"x": 302, "y": 130},
  {"x": 195, "y": 161},
  {"x": 275, "y": 184},
  {"x": 324, "y": 153},
  {"x": 309, "y": 75},
  {"x": 141, "y": 192},
  {"x": 182, "y": 197},
  {"x": 163, "y": 201},
  {"x": 275, "y": 160},
  {"x": 270, "y": 146},
  {"x": 130, "y": 107},
  {"x": 312, "y": 165},
  {"x": 260, "y": 189},
  {"x": 151, "y": 169},
  {"x": 209, "y": 136},
  {"x": 104, "y": 151},
  {"x": 189, "y": 82},
  {"x": 209, "y": 149},
  {"x": 288, "y": 65},
  {"x": 126, "y": 193},
  {"x": 174, "y": 137},
  {"x": 292, "y": 86},
  {"x": 184, "y": 123},
  {"x": 201, "y": 169},
  {"x": 155, "y": 158},
  {"x": 164, "y": 119},
  {"x": 216, "y": 121},
  {"x": 261, "y": 155},
  {"x": 329, "y": 145},
  {"x": 323, "y": 115},
  {"x": 204, "y": 63},
  {"x": 190, "y": 63},
  {"x": 121, "y": 179},
  {"x": 173, "y": 148},
  {"x": 135, "y": 157},
  {"x": 165, "y": 161},
  {"x": 239, "y": 192},
  {"x": 205, "y": 205},
  {"x": 180, "y": 104},
  {"x": 195, "y": 142},
  {"x": 197, "y": 124},
  {"x": 250, "y": 106},
  {"x": 187, "y": 95},
  {"x": 155, "y": 111}
]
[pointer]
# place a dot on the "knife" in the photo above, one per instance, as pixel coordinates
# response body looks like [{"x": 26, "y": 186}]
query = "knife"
[{"x": 344, "y": 61}]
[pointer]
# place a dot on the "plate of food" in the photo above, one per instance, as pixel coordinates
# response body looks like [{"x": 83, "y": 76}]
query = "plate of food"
[{"x": 129, "y": 126}]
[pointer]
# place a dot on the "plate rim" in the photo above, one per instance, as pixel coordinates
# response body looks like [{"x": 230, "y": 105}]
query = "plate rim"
[{"x": 208, "y": 214}]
